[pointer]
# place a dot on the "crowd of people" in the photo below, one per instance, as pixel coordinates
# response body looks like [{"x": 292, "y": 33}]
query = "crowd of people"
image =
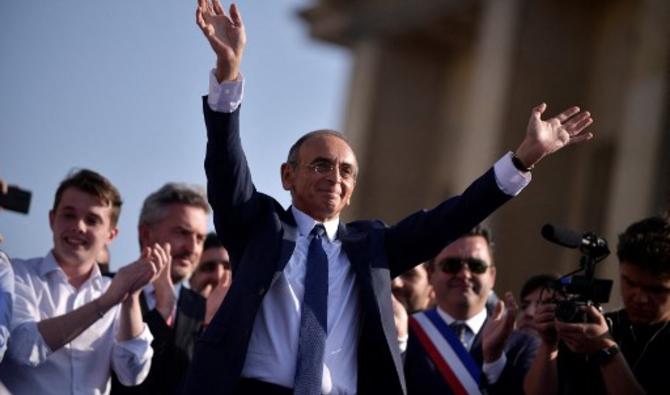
[{"x": 295, "y": 301}]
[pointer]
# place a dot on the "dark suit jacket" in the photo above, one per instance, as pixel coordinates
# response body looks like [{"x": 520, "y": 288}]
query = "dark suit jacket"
[
  {"x": 173, "y": 346},
  {"x": 423, "y": 378},
  {"x": 260, "y": 236}
]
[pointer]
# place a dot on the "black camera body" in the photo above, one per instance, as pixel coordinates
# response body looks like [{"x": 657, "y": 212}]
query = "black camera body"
[
  {"x": 577, "y": 292},
  {"x": 571, "y": 310}
]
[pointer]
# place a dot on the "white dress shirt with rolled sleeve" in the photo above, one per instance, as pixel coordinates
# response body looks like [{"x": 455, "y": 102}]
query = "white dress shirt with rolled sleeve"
[{"x": 82, "y": 366}]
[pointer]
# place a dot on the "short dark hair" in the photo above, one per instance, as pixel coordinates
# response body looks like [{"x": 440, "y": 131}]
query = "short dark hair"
[
  {"x": 94, "y": 184},
  {"x": 536, "y": 282},
  {"x": 292, "y": 158},
  {"x": 647, "y": 244},
  {"x": 211, "y": 241},
  {"x": 479, "y": 230}
]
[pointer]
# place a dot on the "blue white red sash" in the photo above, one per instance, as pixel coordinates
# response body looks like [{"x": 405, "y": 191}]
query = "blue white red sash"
[{"x": 453, "y": 361}]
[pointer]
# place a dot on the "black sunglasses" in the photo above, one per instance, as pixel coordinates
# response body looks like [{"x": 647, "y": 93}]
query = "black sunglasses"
[{"x": 454, "y": 265}]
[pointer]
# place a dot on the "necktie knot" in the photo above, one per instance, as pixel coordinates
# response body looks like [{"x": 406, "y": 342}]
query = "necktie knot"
[
  {"x": 460, "y": 329},
  {"x": 318, "y": 231}
]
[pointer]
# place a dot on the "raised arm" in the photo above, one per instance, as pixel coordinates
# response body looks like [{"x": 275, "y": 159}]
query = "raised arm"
[
  {"x": 422, "y": 235},
  {"x": 230, "y": 189}
]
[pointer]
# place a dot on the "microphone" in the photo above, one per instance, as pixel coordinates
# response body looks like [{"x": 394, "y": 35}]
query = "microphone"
[
  {"x": 588, "y": 243},
  {"x": 561, "y": 236}
]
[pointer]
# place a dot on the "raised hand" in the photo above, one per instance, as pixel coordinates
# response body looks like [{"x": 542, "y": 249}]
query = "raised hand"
[
  {"x": 544, "y": 137},
  {"x": 166, "y": 296},
  {"x": 498, "y": 328},
  {"x": 225, "y": 34}
]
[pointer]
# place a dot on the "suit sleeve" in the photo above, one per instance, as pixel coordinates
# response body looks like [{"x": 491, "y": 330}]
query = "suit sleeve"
[
  {"x": 230, "y": 190},
  {"x": 423, "y": 234}
]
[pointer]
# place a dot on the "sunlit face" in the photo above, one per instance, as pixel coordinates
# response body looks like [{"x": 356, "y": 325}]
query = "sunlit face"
[
  {"x": 81, "y": 226},
  {"x": 321, "y": 195},
  {"x": 646, "y": 297},
  {"x": 413, "y": 289},
  {"x": 463, "y": 294},
  {"x": 184, "y": 227},
  {"x": 213, "y": 269}
]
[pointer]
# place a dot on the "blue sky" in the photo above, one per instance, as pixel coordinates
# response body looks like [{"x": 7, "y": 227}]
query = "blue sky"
[{"x": 116, "y": 86}]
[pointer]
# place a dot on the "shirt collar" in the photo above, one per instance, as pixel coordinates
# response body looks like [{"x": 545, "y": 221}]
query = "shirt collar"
[
  {"x": 475, "y": 322},
  {"x": 306, "y": 224},
  {"x": 50, "y": 265}
]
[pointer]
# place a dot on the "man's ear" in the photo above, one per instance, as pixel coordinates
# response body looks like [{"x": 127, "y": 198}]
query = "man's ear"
[
  {"x": 287, "y": 176},
  {"x": 113, "y": 232},
  {"x": 52, "y": 216}
]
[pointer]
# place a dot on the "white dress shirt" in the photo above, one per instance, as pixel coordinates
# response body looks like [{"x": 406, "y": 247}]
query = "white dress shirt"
[
  {"x": 474, "y": 324},
  {"x": 6, "y": 301},
  {"x": 273, "y": 348},
  {"x": 82, "y": 366}
]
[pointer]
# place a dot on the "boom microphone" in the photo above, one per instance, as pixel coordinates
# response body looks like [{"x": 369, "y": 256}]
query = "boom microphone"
[
  {"x": 588, "y": 243},
  {"x": 561, "y": 236}
]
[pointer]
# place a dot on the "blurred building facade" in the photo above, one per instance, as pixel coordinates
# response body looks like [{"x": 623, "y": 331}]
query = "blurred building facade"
[{"x": 442, "y": 88}]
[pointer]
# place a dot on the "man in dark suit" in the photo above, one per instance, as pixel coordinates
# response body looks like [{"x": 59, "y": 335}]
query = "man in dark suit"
[
  {"x": 463, "y": 276},
  {"x": 274, "y": 332},
  {"x": 175, "y": 215}
]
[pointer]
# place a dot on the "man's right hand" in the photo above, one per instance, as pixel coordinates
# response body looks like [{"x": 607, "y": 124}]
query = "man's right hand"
[
  {"x": 545, "y": 324},
  {"x": 225, "y": 34},
  {"x": 131, "y": 278}
]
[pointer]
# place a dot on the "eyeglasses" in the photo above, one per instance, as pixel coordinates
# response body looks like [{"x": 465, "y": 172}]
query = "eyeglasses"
[
  {"x": 347, "y": 171},
  {"x": 454, "y": 265}
]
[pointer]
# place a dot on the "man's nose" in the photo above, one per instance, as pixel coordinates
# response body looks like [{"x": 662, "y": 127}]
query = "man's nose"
[{"x": 81, "y": 225}]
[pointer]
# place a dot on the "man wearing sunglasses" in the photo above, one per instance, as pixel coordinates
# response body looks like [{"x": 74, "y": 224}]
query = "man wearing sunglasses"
[{"x": 463, "y": 332}]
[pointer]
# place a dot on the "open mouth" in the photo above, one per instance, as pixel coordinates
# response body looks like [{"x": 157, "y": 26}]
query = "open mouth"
[{"x": 75, "y": 242}]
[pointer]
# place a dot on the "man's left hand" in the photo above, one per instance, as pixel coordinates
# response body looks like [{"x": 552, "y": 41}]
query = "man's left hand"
[
  {"x": 544, "y": 137},
  {"x": 498, "y": 328},
  {"x": 586, "y": 338}
]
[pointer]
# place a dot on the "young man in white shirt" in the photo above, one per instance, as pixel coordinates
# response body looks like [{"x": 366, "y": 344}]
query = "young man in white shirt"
[{"x": 71, "y": 326}]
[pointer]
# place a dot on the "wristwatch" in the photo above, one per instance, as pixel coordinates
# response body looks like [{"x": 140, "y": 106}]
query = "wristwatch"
[
  {"x": 519, "y": 165},
  {"x": 606, "y": 354}
]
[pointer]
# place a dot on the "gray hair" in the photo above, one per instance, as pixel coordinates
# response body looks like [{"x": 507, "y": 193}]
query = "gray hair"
[{"x": 154, "y": 207}]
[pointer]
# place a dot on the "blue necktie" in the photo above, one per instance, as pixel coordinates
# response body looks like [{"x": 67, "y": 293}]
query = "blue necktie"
[
  {"x": 459, "y": 329},
  {"x": 313, "y": 319}
]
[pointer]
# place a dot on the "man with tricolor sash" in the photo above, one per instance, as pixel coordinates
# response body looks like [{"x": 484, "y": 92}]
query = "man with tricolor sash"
[{"x": 463, "y": 347}]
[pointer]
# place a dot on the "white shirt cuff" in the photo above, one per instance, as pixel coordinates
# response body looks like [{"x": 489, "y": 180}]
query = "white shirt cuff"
[
  {"x": 225, "y": 96},
  {"x": 494, "y": 369},
  {"x": 132, "y": 358},
  {"x": 27, "y": 346},
  {"x": 508, "y": 178}
]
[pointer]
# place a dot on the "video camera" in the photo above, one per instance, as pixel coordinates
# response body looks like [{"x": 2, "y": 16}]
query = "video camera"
[{"x": 578, "y": 291}]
